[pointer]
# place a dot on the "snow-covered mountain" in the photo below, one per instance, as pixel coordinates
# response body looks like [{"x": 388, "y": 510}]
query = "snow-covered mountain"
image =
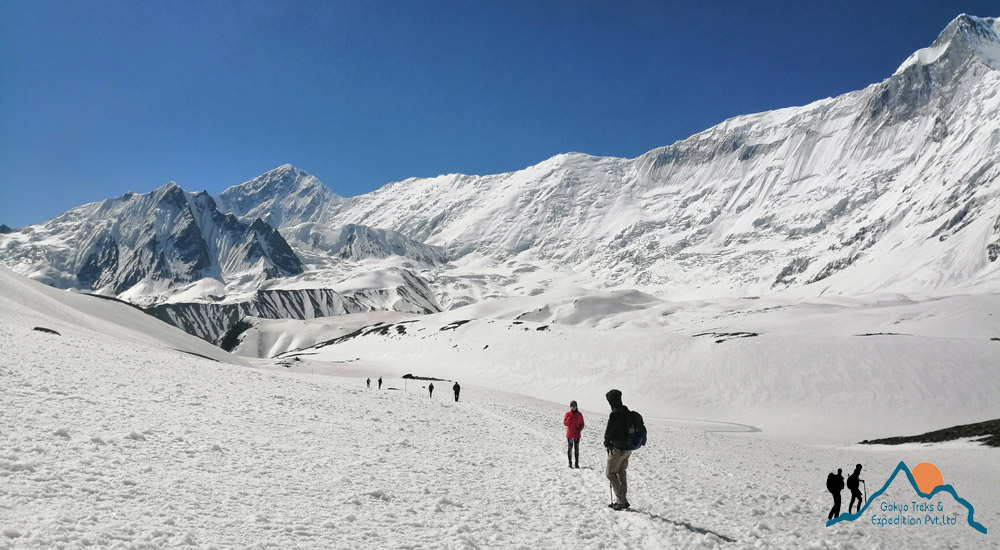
[
  {"x": 689, "y": 278},
  {"x": 321, "y": 244},
  {"x": 302, "y": 208},
  {"x": 283, "y": 197},
  {"x": 140, "y": 245},
  {"x": 891, "y": 189},
  {"x": 395, "y": 289}
]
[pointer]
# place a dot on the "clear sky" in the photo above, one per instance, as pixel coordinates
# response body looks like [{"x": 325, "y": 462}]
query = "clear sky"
[{"x": 102, "y": 97}]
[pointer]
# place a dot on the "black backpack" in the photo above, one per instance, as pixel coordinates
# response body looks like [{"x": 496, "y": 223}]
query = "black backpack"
[
  {"x": 852, "y": 482},
  {"x": 635, "y": 432}
]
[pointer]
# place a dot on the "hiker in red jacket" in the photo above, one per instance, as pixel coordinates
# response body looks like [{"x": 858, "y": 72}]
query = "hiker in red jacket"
[{"x": 574, "y": 425}]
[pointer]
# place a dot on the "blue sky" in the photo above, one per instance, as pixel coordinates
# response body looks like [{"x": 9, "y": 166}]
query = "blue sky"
[{"x": 99, "y": 98}]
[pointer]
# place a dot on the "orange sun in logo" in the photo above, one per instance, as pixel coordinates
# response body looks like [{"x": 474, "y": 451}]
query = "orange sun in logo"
[{"x": 927, "y": 476}]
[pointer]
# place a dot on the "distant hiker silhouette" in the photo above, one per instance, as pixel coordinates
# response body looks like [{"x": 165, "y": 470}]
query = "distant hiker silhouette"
[
  {"x": 369, "y": 382},
  {"x": 457, "y": 389},
  {"x": 379, "y": 382},
  {"x": 574, "y": 425},
  {"x": 430, "y": 388},
  {"x": 835, "y": 484},
  {"x": 852, "y": 483}
]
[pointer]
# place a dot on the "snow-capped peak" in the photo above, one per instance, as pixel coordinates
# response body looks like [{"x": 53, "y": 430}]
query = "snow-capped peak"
[
  {"x": 282, "y": 197},
  {"x": 966, "y": 37},
  {"x": 971, "y": 29},
  {"x": 283, "y": 179}
]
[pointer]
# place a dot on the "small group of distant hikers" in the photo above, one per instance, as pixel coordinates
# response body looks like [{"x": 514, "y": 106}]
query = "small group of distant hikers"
[
  {"x": 430, "y": 387},
  {"x": 625, "y": 433},
  {"x": 835, "y": 484},
  {"x": 456, "y": 388}
]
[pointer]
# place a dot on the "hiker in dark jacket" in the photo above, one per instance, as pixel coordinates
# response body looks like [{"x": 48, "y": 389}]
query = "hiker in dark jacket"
[
  {"x": 457, "y": 389},
  {"x": 852, "y": 483},
  {"x": 430, "y": 390},
  {"x": 835, "y": 484},
  {"x": 615, "y": 441}
]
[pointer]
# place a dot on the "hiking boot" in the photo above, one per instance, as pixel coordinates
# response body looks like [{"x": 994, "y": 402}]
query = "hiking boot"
[
  {"x": 577, "y": 466},
  {"x": 618, "y": 506}
]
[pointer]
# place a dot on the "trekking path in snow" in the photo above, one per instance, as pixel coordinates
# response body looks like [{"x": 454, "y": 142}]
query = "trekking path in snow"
[{"x": 114, "y": 445}]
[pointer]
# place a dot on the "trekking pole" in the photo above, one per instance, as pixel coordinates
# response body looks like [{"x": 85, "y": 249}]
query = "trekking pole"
[
  {"x": 610, "y": 485},
  {"x": 866, "y": 489}
]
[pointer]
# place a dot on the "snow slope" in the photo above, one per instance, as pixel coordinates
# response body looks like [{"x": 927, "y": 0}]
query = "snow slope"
[
  {"x": 25, "y": 304},
  {"x": 108, "y": 442},
  {"x": 890, "y": 188},
  {"x": 824, "y": 370}
]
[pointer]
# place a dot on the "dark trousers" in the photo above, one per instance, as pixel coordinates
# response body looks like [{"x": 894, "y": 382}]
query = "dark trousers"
[
  {"x": 855, "y": 495},
  {"x": 835, "y": 511},
  {"x": 573, "y": 445}
]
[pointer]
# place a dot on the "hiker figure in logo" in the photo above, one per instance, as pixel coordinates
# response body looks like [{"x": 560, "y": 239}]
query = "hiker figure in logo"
[
  {"x": 835, "y": 484},
  {"x": 852, "y": 483}
]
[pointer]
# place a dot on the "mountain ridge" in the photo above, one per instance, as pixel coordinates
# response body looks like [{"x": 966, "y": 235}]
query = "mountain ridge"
[{"x": 892, "y": 188}]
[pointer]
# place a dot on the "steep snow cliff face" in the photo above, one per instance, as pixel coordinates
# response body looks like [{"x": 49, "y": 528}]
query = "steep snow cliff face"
[
  {"x": 281, "y": 197},
  {"x": 151, "y": 241},
  {"x": 893, "y": 187},
  {"x": 303, "y": 209}
]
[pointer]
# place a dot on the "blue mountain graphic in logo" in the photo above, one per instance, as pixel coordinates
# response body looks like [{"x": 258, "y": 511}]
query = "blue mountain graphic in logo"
[{"x": 940, "y": 488}]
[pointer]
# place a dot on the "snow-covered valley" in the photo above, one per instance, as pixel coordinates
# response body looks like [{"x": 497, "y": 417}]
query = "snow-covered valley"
[
  {"x": 833, "y": 370},
  {"x": 767, "y": 293},
  {"x": 114, "y": 440}
]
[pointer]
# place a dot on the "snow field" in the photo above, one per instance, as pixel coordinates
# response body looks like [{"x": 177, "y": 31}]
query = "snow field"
[
  {"x": 127, "y": 449},
  {"x": 119, "y": 434},
  {"x": 120, "y": 446},
  {"x": 806, "y": 376}
]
